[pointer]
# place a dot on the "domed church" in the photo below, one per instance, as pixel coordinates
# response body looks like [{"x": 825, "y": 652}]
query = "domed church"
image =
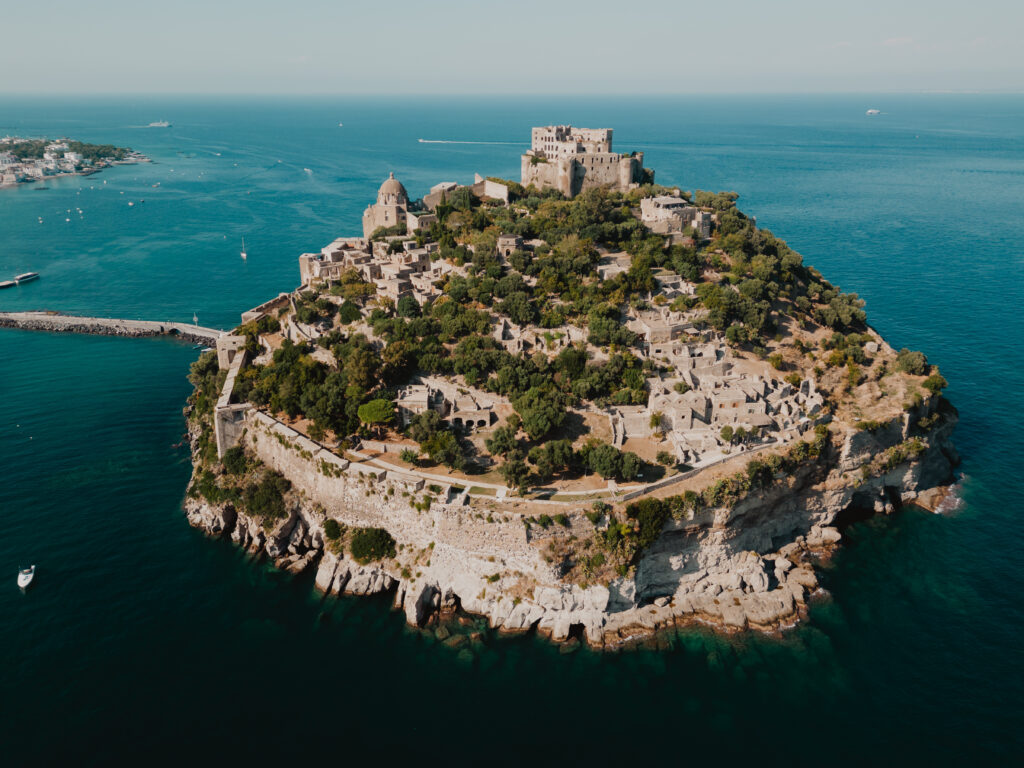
[{"x": 391, "y": 208}]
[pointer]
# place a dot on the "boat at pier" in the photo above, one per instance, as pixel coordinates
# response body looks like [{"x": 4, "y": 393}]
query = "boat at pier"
[{"x": 26, "y": 277}]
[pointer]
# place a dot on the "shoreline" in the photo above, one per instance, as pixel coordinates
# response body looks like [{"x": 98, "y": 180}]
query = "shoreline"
[
  {"x": 70, "y": 174},
  {"x": 450, "y": 556}
]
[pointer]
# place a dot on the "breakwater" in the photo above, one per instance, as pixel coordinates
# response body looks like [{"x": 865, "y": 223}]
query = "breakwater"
[{"x": 106, "y": 326}]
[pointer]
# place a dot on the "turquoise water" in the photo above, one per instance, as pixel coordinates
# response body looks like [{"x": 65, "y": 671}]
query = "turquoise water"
[{"x": 144, "y": 641}]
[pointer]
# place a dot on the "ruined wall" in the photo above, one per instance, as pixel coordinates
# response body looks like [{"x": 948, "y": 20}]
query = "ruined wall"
[{"x": 357, "y": 495}]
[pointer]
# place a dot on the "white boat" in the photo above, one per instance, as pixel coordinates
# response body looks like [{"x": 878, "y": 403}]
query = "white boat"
[
  {"x": 25, "y": 576},
  {"x": 160, "y": 124},
  {"x": 874, "y": 112},
  {"x": 340, "y": 125},
  {"x": 243, "y": 254},
  {"x": 26, "y": 277}
]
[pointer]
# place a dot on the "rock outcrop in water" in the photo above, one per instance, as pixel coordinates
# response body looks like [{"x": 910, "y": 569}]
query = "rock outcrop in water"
[
  {"x": 590, "y": 422},
  {"x": 746, "y": 566}
]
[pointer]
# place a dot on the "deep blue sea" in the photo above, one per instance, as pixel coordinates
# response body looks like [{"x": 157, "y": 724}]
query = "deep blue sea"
[{"x": 143, "y": 642}]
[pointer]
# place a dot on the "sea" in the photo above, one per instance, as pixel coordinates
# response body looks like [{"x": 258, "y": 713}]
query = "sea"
[{"x": 143, "y": 642}]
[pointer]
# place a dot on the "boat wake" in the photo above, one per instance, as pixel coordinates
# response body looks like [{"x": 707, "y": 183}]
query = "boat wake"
[{"x": 447, "y": 141}]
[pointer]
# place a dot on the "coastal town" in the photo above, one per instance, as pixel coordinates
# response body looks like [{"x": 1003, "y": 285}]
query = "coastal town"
[
  {"x": 566, "y": 401},
  {"x": 26, "y": 160}
]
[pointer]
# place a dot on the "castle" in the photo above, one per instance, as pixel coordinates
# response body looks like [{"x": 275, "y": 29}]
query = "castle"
[{"x": 572, "y": 160}]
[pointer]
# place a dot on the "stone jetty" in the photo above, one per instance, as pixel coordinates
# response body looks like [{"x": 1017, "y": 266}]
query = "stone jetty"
[{"x": 107, "y": 326}]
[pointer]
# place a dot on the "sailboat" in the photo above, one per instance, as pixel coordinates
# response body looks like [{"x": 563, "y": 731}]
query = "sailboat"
[{"x": 243, "y": 254}]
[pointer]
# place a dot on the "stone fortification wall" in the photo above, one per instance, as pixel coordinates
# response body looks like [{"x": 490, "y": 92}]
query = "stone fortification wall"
[
  {"x": 357, "y": 495},
  {"x": 745, "y": 565},
  {"x": 228, "y": 417},
  {"x": 574, "y": 174}
]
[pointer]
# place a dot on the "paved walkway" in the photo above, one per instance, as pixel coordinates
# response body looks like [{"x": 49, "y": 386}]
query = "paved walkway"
[{"x": 107, "y": 326}]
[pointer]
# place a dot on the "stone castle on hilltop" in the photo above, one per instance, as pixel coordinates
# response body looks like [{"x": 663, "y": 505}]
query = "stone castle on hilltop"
[{"x": 572, "y": 160}]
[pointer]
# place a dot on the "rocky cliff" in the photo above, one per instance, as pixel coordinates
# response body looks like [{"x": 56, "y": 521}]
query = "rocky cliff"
[{"x": 746, "y": 565}]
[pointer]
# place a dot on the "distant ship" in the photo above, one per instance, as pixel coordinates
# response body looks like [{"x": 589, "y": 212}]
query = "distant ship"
[
  {"x": 243, "y": 254},
  {"x": 874, "y": 112},
  {"x": 160, "y": 124},
  {"x": 26, "y": 277},
  {"x": 340, "y": 125}
]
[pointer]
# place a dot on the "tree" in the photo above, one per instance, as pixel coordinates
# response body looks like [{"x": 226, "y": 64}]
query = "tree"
[
  {"x": 542, "y": 410},
  {"x": 408, "y": 455},
  {"x": 424, "y": 425},
  {"x": 502, "y": 442},
  {"x": 605, "y": 460},
  {"x": 349, "y": 313},
  {"x": 518, "y": 308},
  {"x": 377, "y": 412},
  {"x": 727, "y": 434},
  {"x": 408, "y": 307},
  {"x": 655, "y": 421},
  {"x": 631, "y": 466},
  {"x": 666, "y": 458},
  {"x": 443, "y": 448},
  {"x": 554, "y": 457},
  {"x": 514, "y": 471},
  {"x": 361, "y": 367}
]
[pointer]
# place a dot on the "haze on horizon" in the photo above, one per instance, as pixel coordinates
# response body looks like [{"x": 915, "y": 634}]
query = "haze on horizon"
[{"x": 461, "y": 46}]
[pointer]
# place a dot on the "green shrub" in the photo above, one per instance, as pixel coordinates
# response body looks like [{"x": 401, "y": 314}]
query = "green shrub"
[
  {"x": 562, "y": 520},
  {"x": 369, "y": 544},
  {"x": 935, "y": 383},
  {"x": 265, "y": 499},
  {"x": 914, "y": 363},
  {"x": 331, "y": 529},
  {"x": 234, "y": 460}
]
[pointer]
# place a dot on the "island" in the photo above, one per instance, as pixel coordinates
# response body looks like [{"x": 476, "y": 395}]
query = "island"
[
  {"x": 581, "y": 404},
  {"x": 28, "y": 160}
]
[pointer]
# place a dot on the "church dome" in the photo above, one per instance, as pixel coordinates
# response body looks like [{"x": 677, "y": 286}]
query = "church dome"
[{"x": 392, "y": 192}]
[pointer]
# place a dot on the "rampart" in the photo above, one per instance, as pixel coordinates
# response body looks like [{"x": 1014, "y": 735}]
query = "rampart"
[{"x": 359, "y": 495}]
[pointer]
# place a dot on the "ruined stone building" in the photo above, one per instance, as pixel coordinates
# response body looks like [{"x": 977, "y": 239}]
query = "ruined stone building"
[
  {"x": 572, "y": 160},
  {"x": 668, "y": 215}
]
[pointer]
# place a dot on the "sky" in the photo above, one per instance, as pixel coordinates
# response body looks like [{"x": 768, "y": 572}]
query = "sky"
[{"x": 526, "y": 46}]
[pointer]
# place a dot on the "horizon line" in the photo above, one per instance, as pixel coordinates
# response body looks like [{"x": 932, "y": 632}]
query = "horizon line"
[{"x": 515, "y": 94}]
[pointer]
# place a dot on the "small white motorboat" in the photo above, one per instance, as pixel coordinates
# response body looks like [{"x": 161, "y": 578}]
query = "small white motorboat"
[{"x": 25, "y": 576}]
